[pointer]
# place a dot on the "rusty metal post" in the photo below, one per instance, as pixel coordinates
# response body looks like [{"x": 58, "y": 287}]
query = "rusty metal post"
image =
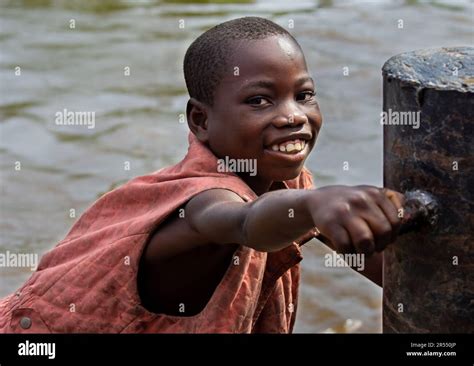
[{"x": 429, "y": 273}]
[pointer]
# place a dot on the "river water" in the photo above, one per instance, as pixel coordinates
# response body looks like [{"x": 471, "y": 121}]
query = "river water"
[{"x": 57, "y": 54}]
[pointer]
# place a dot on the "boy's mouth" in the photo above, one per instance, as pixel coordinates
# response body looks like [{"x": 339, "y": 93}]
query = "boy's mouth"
[
  {"x": 292, "y": 143},
  {"x": 290, "y": 146},
  {"x": 293, "y": 149}
]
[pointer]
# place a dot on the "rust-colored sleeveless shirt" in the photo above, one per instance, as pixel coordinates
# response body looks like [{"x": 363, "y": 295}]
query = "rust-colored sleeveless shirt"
[{"x": 88, "y": 282}]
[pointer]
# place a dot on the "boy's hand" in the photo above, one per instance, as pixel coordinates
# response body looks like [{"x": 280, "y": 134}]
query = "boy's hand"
[{"x": 362, "y": 219}]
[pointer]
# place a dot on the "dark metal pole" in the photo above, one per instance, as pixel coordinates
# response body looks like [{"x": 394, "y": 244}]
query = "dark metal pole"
[{"x": 429, "y": 273}]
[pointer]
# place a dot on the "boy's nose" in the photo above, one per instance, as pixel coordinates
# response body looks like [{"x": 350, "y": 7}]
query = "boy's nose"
[{"x": 289, "y": 117}]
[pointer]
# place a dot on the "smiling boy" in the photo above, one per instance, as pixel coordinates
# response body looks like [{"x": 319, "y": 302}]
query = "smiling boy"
[{"x": 191, "y": 248}]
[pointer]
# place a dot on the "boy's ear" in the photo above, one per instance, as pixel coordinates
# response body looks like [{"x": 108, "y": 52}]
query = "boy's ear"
[{"x": 196, "y": 113}]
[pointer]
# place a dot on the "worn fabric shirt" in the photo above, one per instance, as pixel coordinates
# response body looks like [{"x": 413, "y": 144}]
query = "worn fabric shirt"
[{"x": 88, "y": 282}]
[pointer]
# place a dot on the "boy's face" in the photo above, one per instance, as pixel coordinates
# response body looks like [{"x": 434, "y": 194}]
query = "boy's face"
[{"x": 264, "y": 109}]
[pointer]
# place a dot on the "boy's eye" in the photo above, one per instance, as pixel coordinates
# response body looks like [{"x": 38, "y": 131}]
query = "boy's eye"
[
  {"x": 305, "y": 96},
  {"x": 257, "y": 101}
]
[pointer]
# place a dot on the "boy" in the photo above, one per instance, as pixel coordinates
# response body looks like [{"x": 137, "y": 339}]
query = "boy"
[{"x": 198, "y": 248}]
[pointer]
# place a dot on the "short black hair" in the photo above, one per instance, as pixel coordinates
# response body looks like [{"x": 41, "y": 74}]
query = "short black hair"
[{"x": 207, "y": 57}]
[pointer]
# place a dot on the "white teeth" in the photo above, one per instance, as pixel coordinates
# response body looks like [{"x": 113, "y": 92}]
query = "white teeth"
[{"x": 290, "y": 146}]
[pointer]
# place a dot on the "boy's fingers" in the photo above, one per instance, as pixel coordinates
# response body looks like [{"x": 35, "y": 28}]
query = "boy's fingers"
[
  {"x": 394, "y": 209},
  {"x": 393, "y": 218},
  {"x": 397, "y": 198},
  {"x": 391, "y": 213},
  {"x": 380, "y": 225},
  {"x": 340, "y": 239},
  {"x": 361, "y": 235}
]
